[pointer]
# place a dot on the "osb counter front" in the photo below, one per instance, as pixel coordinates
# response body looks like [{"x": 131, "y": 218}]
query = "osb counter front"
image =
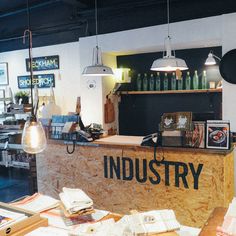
[{"x": 123, "y": 176}]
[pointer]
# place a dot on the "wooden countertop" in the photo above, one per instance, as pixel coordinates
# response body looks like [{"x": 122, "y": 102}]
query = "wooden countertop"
[
  {"x": 134, "y": 142},
  {"x": 215, "y": 219}
]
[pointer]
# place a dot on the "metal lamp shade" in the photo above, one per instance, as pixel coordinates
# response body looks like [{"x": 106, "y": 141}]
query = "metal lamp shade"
[
  {"x": 97, "y": 69},
  {"x": 169, "y": 64},
  {"x": 210, "y": 60}
]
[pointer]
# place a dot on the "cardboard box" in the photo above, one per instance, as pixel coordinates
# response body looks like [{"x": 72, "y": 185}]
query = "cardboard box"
[{"x": 32, "y": 222}]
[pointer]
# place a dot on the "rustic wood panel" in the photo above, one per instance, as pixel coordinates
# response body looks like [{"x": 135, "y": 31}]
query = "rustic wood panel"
[
  {"x": 85, "y": 169},
  {"x": 215, "y": 219}
]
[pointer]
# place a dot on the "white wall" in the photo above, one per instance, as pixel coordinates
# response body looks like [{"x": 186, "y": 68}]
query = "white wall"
[{"x": 67, "y": 78}]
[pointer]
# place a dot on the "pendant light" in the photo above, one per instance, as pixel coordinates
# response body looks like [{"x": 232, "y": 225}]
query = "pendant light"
[
  {"x": 169, "y": 62},
  {"x": 33, "y": 137},
  {"x": 97, "y": 68}
]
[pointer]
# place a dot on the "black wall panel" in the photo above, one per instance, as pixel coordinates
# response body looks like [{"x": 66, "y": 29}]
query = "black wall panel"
[{"x": 140, "y": 114}]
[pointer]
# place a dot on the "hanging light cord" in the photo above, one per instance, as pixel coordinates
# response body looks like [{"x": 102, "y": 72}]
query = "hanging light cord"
[
  {"x": 168, "y": 17},
  {"x": 96, "y": 25},
  {"x": 29, "y": 32},
  {"x": 96, "y": 21}
]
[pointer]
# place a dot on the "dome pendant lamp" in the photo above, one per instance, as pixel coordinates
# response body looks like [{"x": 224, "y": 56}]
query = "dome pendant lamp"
[
  {"x": 169, "y": 62},
  {"x": 97, "y": 68}
]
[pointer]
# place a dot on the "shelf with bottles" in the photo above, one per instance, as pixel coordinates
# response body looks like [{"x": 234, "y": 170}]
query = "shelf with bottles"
[
  {"x": 164, "y": 83},
  {"x": 217, "y": 90}
]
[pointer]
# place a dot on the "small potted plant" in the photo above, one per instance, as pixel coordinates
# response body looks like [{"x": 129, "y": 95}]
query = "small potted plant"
[{"x": 23, "y": 95}]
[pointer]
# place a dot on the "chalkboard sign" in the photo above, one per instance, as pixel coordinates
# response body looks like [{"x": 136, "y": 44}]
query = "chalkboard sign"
[
  {"x": 43, "y": 63},
  {"x": 42, "y": 81}
]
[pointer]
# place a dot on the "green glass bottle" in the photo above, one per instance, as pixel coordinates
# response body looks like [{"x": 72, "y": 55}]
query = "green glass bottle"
[
  {"x": 180, "y": 83},
  {"x": 173, "y": 81},
  {"x": 165, "y": 82},
  {"x": 158, "y": 82},
  {"x": 145, "y": 82},
  {"x": 195, "y": 80},
  {"x": 188, "y": 81},
  {"x": 152, "y": 83},
  {"x": 204, "y": 80},
  {"x": 139, "y": 82}
]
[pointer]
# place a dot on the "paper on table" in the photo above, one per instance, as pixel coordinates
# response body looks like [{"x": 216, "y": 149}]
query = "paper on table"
[
  {"x": 48, "y": 231},
  {"x": 75, "y": 200},
  {"x": 101, "y": 228},
  {"x": 56, "y": 218},
  {"x": 150, "y": 222},
  {"x": 37, "y": 203}
]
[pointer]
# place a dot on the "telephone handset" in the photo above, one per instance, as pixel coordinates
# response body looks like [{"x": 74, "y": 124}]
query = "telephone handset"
[
  {"x": 85, "y": 136},
  {"x": 151, "y": 140}
]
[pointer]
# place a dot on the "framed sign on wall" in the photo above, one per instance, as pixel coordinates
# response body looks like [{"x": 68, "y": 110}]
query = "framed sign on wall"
[
  {"x": 4, "y": 74},
  {"x": 42, "y": 81},
  {"x": 43, "y": 63}
]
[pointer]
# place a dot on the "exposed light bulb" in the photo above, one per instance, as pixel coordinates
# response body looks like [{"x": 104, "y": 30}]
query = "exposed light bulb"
[{"x": 33, "y": 137}]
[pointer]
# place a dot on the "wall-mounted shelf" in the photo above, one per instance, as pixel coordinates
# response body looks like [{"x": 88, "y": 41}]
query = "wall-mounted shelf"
[{"x": 218, "y": 90}]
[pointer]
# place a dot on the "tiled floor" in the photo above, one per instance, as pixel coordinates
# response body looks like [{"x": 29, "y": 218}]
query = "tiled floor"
[{"x": 14, "y": 183}]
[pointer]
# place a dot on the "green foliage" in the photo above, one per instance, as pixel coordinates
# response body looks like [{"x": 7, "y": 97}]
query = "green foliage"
[{"x": 22, "y": 94}]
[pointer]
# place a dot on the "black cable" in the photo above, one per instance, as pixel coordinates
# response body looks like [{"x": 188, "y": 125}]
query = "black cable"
[{"x": 31, "y": 60}]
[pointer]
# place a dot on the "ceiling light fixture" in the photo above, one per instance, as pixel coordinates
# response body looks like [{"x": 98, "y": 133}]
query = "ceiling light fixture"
[
  {"x": 97, "y": 68},
  {"x": 169, "y": 62},
  {"x": 211, "y": 59},
  {"x": 33, "y": 138}
]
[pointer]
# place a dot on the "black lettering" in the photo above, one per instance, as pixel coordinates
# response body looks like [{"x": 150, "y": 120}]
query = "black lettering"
[
  {"x": 105, "y": 167},
  {"x": 167, "y": 172},
  {"x": 182, "y": 175},
  {"x": 115, "y": 167},
  {"x": 154, "y": 171},
  {"x": 195, "y": 174},
  {"x": 127, "y": 161},
  {"x": 137, "y": 168}
]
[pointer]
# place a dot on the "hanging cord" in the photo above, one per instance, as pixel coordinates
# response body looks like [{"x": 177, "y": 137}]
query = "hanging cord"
[
  {"x": 96, "y": 28},
  {"x": 96, "y": 21},
  {"x": 73, "y": 148},
  {"x": 168, "y": 17},
  {"x": 30, "y": 46}
]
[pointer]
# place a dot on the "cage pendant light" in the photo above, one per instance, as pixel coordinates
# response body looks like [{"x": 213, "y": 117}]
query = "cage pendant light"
[
  {"x": 97, "y": 68},
  {"x": 169, "y": 62}
]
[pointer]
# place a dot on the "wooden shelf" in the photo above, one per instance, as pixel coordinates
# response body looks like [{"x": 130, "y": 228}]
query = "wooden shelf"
[{"x": 218, "y": 90}]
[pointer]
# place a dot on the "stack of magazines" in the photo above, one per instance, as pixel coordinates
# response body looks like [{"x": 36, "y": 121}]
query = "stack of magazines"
[
  {"x": 8, "y": 218},
  {"x": 75, "y": 201}
]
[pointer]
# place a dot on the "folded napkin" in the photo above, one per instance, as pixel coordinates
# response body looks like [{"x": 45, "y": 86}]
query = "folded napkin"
[{"x": 75, "y": 200}]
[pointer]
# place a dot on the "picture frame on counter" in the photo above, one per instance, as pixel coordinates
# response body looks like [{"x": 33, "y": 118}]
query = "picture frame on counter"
[
  {"x": 218, "y": 134},
  {"x": 4, "y": 74},
  {"x": 196, "y": 137},
  {"x": 43, "y": 63},
  {"x": 168, "y": 121},
  {"x": 41, "y": 80},
  {"x": 183, "y": 121}
]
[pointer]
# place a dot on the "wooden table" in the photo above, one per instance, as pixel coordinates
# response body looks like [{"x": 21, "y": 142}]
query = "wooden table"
[{"x": 215, "y": 219}]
